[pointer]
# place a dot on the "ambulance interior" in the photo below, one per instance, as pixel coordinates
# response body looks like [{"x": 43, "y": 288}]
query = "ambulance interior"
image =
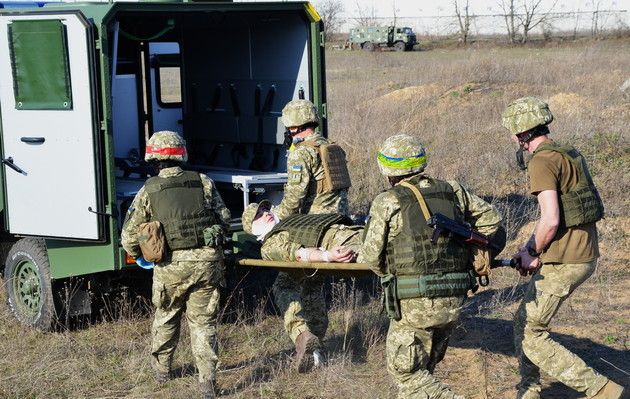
[{"x": 220, "y": 79}]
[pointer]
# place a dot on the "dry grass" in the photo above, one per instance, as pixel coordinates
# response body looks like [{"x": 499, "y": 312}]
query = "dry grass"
[{"x": 452, "y": 99}]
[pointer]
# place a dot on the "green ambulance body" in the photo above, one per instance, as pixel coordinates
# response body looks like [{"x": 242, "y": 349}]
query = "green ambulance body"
[
  {"x": 82, "y": 87},
  {"x": 370, "y": 38}
]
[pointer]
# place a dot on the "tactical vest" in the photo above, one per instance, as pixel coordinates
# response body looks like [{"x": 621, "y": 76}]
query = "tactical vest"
[
  {"x": 178, "y": 203},
  {"x": 308, "y": 229},
  {"x": 333, "y": 158},
  {"x": 582, "y": 204},
  {"x": 411, "y": 255}
]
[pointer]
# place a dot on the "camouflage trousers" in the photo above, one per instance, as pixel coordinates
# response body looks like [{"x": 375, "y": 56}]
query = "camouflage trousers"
[
  {"x": 417, "y": 343},
  {"x": 190, "y": 287},
  {"x": 536, "y": 351},
  {"x": 301, "y": 300}
]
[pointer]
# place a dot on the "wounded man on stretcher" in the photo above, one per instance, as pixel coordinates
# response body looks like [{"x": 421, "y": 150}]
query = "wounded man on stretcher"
[{"x": 302, "y": 238}]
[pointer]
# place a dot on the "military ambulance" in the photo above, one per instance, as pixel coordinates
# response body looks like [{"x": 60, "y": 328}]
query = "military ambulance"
[{"x": 82, "y": 87}]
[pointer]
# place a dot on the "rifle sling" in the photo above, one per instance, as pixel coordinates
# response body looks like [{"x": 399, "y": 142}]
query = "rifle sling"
[{"x": 419, "y": 197}]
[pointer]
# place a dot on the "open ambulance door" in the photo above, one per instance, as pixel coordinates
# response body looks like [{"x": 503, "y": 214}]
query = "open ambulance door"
[{"x": 50, "y": 126}]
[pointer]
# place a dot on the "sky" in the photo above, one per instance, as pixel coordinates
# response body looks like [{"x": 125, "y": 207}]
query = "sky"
[{"x": 425, "y": 13}]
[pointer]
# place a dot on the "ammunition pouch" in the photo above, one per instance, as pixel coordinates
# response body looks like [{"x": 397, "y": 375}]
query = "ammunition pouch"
[
  {"x": 213, "y": 236},
  {"x": 336, "y": 175},
  {"x": 392, "y": 305},
  {"x": 434, "y": 285}
]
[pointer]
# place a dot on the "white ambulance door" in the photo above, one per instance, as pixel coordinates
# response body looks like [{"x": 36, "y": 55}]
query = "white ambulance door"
[
  {"x": 50, "y": 130},
  {"x": 166, "y": 88}
]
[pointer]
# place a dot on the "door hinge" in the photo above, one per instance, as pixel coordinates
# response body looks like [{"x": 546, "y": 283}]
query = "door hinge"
[
  {"x": 322, "y": 39},
  {"x": 324, "y": 110},
  {"x": 103, "y": 125}
]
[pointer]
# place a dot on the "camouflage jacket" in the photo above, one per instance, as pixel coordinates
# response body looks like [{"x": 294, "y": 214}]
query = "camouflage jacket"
[
  {"x": 140, "y": 212},
  {"x": 386, "y": 223},
  {"x": 278, "y": 247},
  {"x": 304, "y": 169}
]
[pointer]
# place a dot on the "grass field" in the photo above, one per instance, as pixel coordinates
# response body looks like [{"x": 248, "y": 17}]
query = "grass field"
[{"x": 452, "y": 99}]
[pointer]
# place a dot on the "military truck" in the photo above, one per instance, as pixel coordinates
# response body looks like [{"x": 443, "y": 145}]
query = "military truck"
[
  {"x": 370, "y": 38},
  {"x": 83, "y": 86}
]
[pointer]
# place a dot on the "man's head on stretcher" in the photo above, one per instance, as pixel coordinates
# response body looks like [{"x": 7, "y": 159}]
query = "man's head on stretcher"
[{"x": 295, "y": 241}]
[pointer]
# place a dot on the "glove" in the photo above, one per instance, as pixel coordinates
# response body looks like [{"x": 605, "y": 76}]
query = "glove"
[
  {"x": 145, "y": 264},
  {"x": 481, "y": 261}
]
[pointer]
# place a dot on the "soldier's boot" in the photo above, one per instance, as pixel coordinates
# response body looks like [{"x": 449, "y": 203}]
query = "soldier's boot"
[
  {"x": 610, "y": 391},
  {"x": 305, "y": 344},
  {"x": 208, "y": 389}
]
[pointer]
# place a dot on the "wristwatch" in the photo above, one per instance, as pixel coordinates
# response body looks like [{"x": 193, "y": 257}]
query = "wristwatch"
[{"x": 532, "y": 252}]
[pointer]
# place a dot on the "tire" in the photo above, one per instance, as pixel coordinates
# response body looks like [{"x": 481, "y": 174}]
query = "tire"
[
  {"x": 29, "y": 289},
  {"x": 368, "y": 46},
  {"x": 399, "y": 46}
]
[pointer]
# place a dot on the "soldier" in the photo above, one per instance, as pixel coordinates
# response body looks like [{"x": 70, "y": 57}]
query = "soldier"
[
  {"x": 306, "y": 238},
  {"x": 425, "y": 283},
  {"x": 312, "y": 186},
  {"x": 193, "y": 216},
  {"x": 561, "y": 254},
  {"x": 318, "y": 182}
]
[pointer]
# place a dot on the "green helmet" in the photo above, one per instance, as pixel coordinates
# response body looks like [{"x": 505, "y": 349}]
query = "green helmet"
[
  {"x": 299, "y": 113},
  {"x": 249, "y": 214},
  {"x": 526, "y": 113},
  {"x": 166, "y": 145},
  {"x": 402, "y": 155}
]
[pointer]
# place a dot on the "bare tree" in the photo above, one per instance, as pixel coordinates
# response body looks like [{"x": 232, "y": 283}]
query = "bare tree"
[
  {"x": 365, "y": 16},
  {"x": 331, "y": 12},
  {"x": 463, "y": 19},
  {"x": 531, "y": 16},
  {"x": 509, "y": 15}
]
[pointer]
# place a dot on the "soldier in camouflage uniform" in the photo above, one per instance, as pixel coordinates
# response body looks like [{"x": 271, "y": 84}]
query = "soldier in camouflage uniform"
[
  {"x": 189, "y": 207},
  {"x": 434, "y": 277},
  {"x": 305, "y": 193},
  {"x": 299, "y": 297},
  {"x": 561, "y": 254}
]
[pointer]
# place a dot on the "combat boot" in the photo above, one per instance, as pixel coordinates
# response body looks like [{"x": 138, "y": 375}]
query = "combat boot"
[
  {"x": 305, "y": 344},
  {"x": 610, "y": 391}
]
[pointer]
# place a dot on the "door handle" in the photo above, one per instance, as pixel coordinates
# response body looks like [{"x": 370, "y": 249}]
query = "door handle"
[
  {"x": 10, "y": 164},
  {"x": 33, "y": 140}
]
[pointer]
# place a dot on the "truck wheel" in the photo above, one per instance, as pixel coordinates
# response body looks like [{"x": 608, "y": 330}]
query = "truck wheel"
[
  {"x": 399, "y": 46},
  {"x": 368, "y": 46},
  {"x": 29, "y": 289}
]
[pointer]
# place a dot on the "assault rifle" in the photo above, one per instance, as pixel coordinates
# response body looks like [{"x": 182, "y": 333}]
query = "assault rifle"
[{"x": 463, "y": 232}]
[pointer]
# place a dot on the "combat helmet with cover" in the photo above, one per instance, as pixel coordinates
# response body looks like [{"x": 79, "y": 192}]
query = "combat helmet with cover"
[
  {"x": 299, "y": 113},
  {"x": 402, "y": 155},
  {"x": 166, "y": 145},
  {"x": 525, "y": 114},
  {"x": 249, "y": 214}
]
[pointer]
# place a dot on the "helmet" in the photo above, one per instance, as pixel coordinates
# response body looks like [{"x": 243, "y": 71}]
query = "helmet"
[
  {"x": 526, "y": 113},
  {"x": 166, "y": 145},
  {"x": 249, "y": 214},
  {"x": 299, "y": 113},
  {"x": 402, "y": 155}
]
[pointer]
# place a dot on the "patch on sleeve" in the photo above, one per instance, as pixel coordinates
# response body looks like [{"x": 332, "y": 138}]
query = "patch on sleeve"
[{"x": 295, "y": 174}]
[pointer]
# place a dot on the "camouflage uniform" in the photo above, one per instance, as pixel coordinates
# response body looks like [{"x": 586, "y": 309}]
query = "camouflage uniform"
[
  {"x": 304, "y": 169},
  {"x": 551, "y": 285},
  {"x": 299, "y": 297},
  {"x": 187, "y": 281},
  {"x": 418, "y": 341}
]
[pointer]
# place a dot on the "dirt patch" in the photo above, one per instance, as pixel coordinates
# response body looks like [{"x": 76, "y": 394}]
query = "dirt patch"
[
  {"x": 621, "y": 111},
  {"x": 412, "y": 93},
  {"x": 569, "y": 103}
]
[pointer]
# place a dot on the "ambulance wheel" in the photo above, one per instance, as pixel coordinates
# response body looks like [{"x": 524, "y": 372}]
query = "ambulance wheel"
[
  {"x": 399, "y": 46},
  {"x": 29, "y": 289},
  {"x": 368, "y": 46}
]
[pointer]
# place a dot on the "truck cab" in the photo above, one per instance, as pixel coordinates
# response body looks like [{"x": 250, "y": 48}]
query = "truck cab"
[{"x": 82, "y": 88}]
